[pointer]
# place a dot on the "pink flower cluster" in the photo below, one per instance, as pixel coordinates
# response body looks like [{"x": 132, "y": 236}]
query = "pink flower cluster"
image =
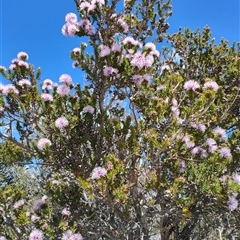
[
  {"x": 68, "y": 235},
  {"x": 88, "y": 109},
  {"x": 43, "y": 142},
  {"x": 236, "y": 178},
  {"x": 76, "y": 50},
  {"x": 131, "y": 41},
  {"x": 138, "y": 79},
  {"x": 182, "y": 166},
  {"x": 66, "y": 212},
  {"x": 174, "y": 108},
  {"x": 90, "y": 6},
  {"x": 116, "y": 48},
  {"x": 110, "y": 71},
  {"x": 218, "y": 131},
  {"x": 87, "y": 27},
  {"x": 37, "y": 205},
  {"x": 65, "y": 79},
  {"x": 191, "y": 85},
  {"x": 18, "y": 62},
  {"x": 211, "y": 85},
  {"x": 22, "y": 56},
  {"x": 98, "y": 172},
  {"x": 61, "y": 122},
  {"x": 232, "y": 203},
  {"x": 36, "y": 235},
  {"x": 18, "y": 204},
  {"x": 47, "y": 97},
  {"x": 8, "y": 89},
  {"x": 24, "y": 82},
  {"x": 175, "y": 111},
  {"x": 152, "y": 47},
  {"x": 70, "y": 27},
  {"x": 212, "y": 145},
  {"x": 64, "y": 89},
  {"x": 225, "y": 152},
  {"x": 199, "y": 150},
  {"x": 47, "y": 84},
  {"x": 188, "y": 142},
  {"x": 199, "y": 126},
  {"x": 34, "y": 218},
  {"x": 123, "y": 25},
  {"x": 105, "y": 50},
  {"x": 140, "y": 60}
]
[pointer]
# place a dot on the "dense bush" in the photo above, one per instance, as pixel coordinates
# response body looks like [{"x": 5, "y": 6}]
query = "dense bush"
[{"x": 147, "y": 149}]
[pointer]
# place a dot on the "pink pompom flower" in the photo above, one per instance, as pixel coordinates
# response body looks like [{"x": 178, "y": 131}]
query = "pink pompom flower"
[
  {"x": 211, "y": 85},
  {"x": 86, "y": 25},
  {"x": 9, "y": 88},
  {"x": 105, "y": 50},
  {"x": 18, "y": 204},
  {"x": 22, "y": 56},
  {"x": 107, "y": 71},
  {"x": 47, "y": 97},
  {"x": 212, "y": 145},
  {"x": 88, "y": 109},
  {"x": 69, "y": 29},
  {"x": 47, "y": 84},
  {"x": 123, "y": 24},
  {"x": 63, "y": 90},
  {"x": 225, "y": 152},
  {"x": 139, "y": 60},
  {"x": 37, "y": 205},
  {"x": 23, "y": 64},
  {"x": 66, "y": 212},
  {"x": 61, "y": 122},
  {"x": 236, "y": 178},
  {"x": 43, "y": 142},
  {"x": 138, "y": 79},
  {"x": 98, "y": 172},
  {"x": 36, "y": 235},
  {"x": 34, "y": 218},
  {"x": 67, "y": 235},
  {"x": 66, "y": 79},
  {"x": 232, "y": 203},
  {"x": 24, "y": 82},
  {"x": 76, "y": 50},
  {"x": 191, "y": 85},
  {"x": 116, "y": 48},
  {"x": 132, "y": 41},
  {"x": 218, "y": 131},
  {"x": 71, "y": 18}
]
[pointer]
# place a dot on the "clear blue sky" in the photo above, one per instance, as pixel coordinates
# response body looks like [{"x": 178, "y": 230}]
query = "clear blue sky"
[{"x": 35, "y": 27}]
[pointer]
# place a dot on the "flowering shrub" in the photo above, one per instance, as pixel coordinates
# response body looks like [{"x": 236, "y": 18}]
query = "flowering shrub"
[{"x": 140, "y": 151}]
